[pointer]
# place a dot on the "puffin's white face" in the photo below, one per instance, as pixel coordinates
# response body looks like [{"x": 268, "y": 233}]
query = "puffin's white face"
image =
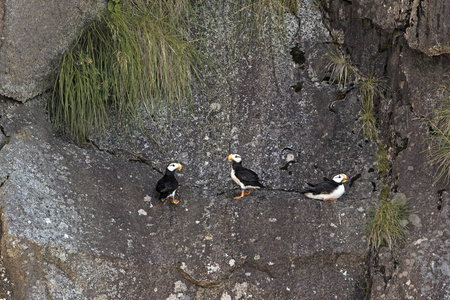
[
  {"x": 236, "y": 157},
  {"x": 340, "y": 178},
  {"x": 174, "y": 166}
]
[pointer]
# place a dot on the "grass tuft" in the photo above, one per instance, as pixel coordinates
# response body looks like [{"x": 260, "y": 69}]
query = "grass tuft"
[
  {"x": 369, "y": 124},
  {"x": 340, "y": 66},
  {"x": 386, "y": 228},
  {"x": 440, "y": 137},
  {"x": 369, "y": 88},
  {"x": 139, "y": 54},
  {"x": 383, "y": 161},
  {"x": 291, "y": 5}
]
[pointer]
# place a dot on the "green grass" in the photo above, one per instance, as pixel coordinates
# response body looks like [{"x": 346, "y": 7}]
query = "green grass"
[
  {"x": 369, "y": 124},
  {"x": 138, "y": 55},
  {"x": 260, "y": 10},
  {"x": 441, "y": 156},
  {"x": 440, "y": 137},
  {"x": 143, "y": 55},
  {"x": 339, "y": 66},
  {"x": 370, "y": 87},
  {"x": 386, "y": 228},
  {"x": 383, "y": 161}
]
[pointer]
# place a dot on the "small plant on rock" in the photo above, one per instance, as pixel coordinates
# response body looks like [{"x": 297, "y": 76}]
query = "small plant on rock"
[
  {"x": 440, "y": 136},
  {"x": 143, "y": 55},
  {"x": 383, "y": 161},
  {"x": 135, "y": 55},
  {"x": 369, "y": 123},
  {"x": 369, "y": 88},
  {"x": 387, "y": 224},
  {"x": 340, "y": 66}
]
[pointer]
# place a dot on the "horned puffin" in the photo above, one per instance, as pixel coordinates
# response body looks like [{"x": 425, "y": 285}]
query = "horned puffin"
[
  {"x": 327, "y": 190},
  {"x": 168, "y": 184},
  {"x": 245, "y": 178}
]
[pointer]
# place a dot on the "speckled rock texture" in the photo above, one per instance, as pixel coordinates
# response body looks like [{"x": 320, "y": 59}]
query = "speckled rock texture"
[
  {"x": 85, "y": 222},
  {"x": 33, "y": 35},
  {"x": 91, "y": 227}
]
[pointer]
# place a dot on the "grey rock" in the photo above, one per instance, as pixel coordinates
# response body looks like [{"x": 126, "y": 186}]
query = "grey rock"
[
  {"x": 85, "y": 223},
  {"x": 82, "y": 233},
  {"x": 33, "y": 35},
  {"x": 415, "y": 220},
  {"x": 82, "y": 216}
]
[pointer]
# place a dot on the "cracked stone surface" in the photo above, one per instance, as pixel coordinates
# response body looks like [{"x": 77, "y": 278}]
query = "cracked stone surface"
[
  {"x": 85, "y": 223},
  {"x": 91, "y": 227}
]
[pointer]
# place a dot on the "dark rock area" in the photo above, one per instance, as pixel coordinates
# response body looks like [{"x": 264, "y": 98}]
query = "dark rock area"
[
  {"x": 412, "y": 272},
  {"x": 84, "y": 222}
]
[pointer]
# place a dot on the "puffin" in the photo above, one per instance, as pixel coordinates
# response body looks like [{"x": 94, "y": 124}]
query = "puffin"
[
  {"x": 327, "y": 190},
  {"x": 168, "y": 184},
  {"x": 245, "y": 178}
]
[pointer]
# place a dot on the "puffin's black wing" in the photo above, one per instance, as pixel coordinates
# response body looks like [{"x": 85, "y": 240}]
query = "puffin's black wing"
[
  {"x": 166, "y": 185},
  {"x": 247, "y": 177},
  {"x": 325, "y": 187}
]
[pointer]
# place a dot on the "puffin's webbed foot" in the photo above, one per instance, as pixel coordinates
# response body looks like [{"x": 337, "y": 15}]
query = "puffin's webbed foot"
[{"x": 242, "y": 195}]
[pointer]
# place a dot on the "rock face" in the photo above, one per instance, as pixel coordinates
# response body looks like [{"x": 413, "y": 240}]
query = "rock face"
[
  {"x": 426, "y": 23},
  {"x": 85, "y": 223},
  {"x": 92, "y": 228},
  {"x": 429, "y": 27},
  {"x": 33, "y": 36},
  {"x": 415, "y": 80}
]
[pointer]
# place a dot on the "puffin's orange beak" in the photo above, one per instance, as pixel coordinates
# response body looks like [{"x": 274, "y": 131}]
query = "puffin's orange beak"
[
  {"x": 229, "y": 158},
  {"x": 345, "y": 178},
  {"x": 180, "y": 166}
]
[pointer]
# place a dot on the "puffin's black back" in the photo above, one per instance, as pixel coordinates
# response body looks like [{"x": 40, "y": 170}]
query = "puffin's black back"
[
  {"x": 246, "y": 176},
  {"x": 325, "y": 187},
  {"x": 167, "y": 184}
]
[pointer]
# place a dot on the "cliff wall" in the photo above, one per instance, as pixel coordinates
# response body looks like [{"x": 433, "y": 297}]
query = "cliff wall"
[{"x": 85, "y": 222}]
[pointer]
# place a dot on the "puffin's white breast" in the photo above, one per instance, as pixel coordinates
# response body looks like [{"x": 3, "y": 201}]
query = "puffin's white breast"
[
  {"x": 338, "y": 192},
  {"x": 235, "y": 179}
]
